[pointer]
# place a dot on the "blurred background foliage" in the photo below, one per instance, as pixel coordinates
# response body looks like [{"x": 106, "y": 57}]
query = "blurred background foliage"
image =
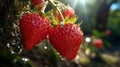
[{"x": 101, "y": 20}]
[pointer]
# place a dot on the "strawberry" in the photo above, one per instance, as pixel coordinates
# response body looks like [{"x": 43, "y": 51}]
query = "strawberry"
[
  {"x": 68, "y": 11},
  {"x": 66, "y": 40},
  {"x": 98, "y": 43},
  {"x": 107, "y": 32},
  {"x": 37, "y": 2},
  {"x": 34, "y": 28}
]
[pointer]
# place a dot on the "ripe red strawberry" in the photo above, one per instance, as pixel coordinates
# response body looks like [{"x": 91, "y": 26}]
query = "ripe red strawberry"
[
  {"x": 67, "y": 12},
  {"x": 37, "y": 2},
  {"x": 66, "y": 40},
  {"x": 107, "y": 32},
  {"x": 98, "y": 43},
  {"x": 34, "y": 28}
]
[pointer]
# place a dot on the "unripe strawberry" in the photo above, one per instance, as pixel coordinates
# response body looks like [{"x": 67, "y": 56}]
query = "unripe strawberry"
[{"x": 66, "y": 40}]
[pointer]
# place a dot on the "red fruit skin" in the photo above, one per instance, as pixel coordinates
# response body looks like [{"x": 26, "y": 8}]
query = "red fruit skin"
[
  {"x": 98, "y": 43},
  {"x": 67, "y": 12},
  {"x": 107, "y": 32},
  {"x": 66, "y": 40},
  {"x": 37, "y": 2},
  {"x": 34, "y": 28}
]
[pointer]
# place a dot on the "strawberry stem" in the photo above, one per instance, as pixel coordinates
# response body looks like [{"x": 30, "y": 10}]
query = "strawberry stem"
[
  {"x": 45, "y": 5},
  {"x": 80, "y": 23},
  {"x": 56, "y": 7},
  {"x": 63, "y": 5}
]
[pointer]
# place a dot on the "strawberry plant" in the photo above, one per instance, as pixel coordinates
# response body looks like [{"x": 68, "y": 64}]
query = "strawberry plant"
[
  {"x": 65, "y": 37},
  {"x": 46, "y": 33},
  {"x": 30, "y": 30}
]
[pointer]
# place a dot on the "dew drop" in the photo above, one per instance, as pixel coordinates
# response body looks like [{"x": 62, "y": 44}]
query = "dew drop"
[
  {"x": 25, "y": 59},
  {"x": 45, "y": 47},
  {"x": 14, "y": 49}
]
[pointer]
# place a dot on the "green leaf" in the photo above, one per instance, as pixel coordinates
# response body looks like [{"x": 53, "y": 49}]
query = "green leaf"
[
  {"x": 92, "y": 48},
  {"x": 37, "y": 7},
  {"x": 107, "y": 43},
  {"x": 96, "y": 33},
  {"x": 72, "y": 20},
  {"x": 54, "y": 54},
  {"x": 67, "y": 18},
  {"x": 49, "y": 13},
  {"x": 55, "y": 21}
]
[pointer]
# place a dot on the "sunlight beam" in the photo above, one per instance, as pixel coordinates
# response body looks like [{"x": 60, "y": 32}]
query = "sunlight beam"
[
  {"x": 75, "y": 4},
  {"x": 83, "y": 2}
]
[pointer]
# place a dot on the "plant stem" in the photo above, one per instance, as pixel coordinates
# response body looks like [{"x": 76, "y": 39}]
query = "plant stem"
[
  {"x": 55, "y": 7},
  {"x": 80, "y": 23},
  {"x": 43, "y": 9}
]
